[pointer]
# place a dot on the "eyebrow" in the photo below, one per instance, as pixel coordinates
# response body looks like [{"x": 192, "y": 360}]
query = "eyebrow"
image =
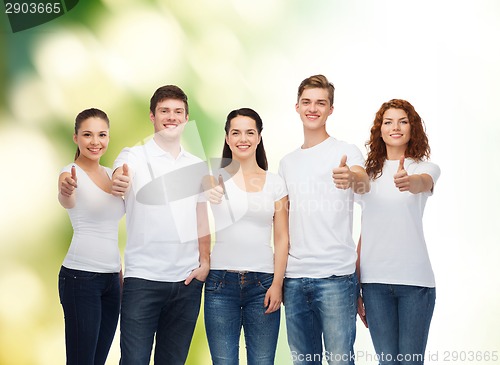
[
  {"x": 388, "y": 118},
  {"x": 318, "y": 100},
  {"x": 86, "y": 131},
  {"x": 237, "y": 130},
  {"x": 166, "y": 108}
]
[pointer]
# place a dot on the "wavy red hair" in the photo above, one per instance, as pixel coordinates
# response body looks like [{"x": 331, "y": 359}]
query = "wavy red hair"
[{"x": 418, "y": 146}]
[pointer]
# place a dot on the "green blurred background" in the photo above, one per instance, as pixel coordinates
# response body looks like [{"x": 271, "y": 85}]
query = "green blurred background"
[{"x": 442, "y": 56}]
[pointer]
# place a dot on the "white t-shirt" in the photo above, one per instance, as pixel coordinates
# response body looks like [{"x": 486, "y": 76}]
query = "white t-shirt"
[
  {"x": 95, "y": 218},
  {"x": 393, "y": 248},
  {"x": 162, "y": 236},
  {"x": 243, "y": 226},
  {"x": 321, "y": 243}
]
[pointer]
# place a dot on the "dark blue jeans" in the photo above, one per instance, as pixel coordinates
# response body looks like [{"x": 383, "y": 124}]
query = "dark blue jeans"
[
  {"x": 167, "y": 309},
  {"x": 399, "y": 317},
  {"x": 236, "y": 300},
  {"x": 91, "y": 304}
]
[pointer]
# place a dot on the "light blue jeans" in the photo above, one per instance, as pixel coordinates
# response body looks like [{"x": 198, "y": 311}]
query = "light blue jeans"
[
  {"x": 399, "y": 317},
  {"x": 236, "y": 300},
  {"x": 321, "y": 310}
]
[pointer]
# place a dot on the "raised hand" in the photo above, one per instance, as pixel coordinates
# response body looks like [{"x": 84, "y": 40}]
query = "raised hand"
[
  {"x": 342, "y": 175},
  {"x": 215, "y": 194},
  {"x": 69, "y": 183},
  {"x": 121, "y": 181},
  {"x": 401, "y": 178}
]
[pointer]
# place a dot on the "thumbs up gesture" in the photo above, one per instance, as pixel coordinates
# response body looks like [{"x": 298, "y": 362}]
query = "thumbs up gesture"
[
  {"x": 401, "y": 178},
  {"x": 215, "y": 190},
  {"x": 342, "y": 175},
  {"x": 121, "y": 181},
  {"x": 68, "y": 184}
]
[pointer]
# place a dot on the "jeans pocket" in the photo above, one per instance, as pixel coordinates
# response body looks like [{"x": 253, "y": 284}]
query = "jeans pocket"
[
  {"x": 213, "y": 283},
  {"x": 197, "y": 283},
  {"x": 78, "y": 274},
  {"x": 265, "y": 281}
]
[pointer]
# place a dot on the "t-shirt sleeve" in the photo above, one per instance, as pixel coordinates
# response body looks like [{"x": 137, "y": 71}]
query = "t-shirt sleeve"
[
  {"x": 428, "y": 168},
  {"x": 354, "y": 156},
  {"x": 67, "y": 168},
  {"x": 123, "y": 157},
  {"x": 279, "y": 187}
]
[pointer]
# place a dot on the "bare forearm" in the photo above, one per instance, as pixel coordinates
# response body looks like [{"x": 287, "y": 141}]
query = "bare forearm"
[
  {"x": 361, "y": 182},
  {"x": 420, "y": 183},
  {"x": 280, "y": 259},
  {"x": 67, "y": 202}
]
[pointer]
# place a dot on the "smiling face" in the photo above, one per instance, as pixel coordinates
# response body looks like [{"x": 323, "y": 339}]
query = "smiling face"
[
  {"x": 395, "y": 129},
  {"x": 169, "y": 118},
  {"x": 243, "y": 138},
  {"x": 92, "y": 138},
  {"x": 314, "y": 108}
]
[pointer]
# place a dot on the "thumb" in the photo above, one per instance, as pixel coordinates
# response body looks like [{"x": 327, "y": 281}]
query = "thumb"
[
  {"x": 73, "y": 172},
  {"x": 401, "y": 164},
  {"x": 221, "y": 182},
  {"x": 343, "y": 161},
  {"x": 125, "y": 169}
]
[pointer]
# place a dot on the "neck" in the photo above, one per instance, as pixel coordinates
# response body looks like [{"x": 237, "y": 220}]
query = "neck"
[
  {"x": 171, "y": 146},
  {"x": 314, "y": 137},
  {"x": 247, "y": 166},
  {"x": 87, "y": 164},
  {"x": 395, "y": 153}
]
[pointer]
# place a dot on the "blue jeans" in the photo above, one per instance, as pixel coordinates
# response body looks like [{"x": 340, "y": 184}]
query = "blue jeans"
[
  {"x": 91, "y": 305},
  {"x": 169, "y": 309},
  {"x": 399, "y": 317},
  {"x": 236, "y": 300},
  {"x": 321, "y": 310}
]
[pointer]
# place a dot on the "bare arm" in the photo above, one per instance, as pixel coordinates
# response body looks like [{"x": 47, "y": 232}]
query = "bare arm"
[
  {"x": 415, "y": 184},
  {"x": 274, "y": 295},
  {"x": 67, "y": 185},
  {"x": 361, "y": 182},
  {"x": 120, "y": 181},
  {"x": 201, "y": 272},
  {"x": 355, "y": 177},
  {"x": 361, "y": 306}
]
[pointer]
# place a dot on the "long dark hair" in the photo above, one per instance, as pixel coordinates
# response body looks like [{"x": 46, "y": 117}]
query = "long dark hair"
[
  {"x": 418, "y": 145},
  {"x": 84, "y": 115},
  {"x": 260, "y": 153}
]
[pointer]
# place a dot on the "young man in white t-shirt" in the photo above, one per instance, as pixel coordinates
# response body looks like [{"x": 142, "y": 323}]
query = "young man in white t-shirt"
[
  {"x": 321, "y": 288},
  {"x": 168, "y": 244}
]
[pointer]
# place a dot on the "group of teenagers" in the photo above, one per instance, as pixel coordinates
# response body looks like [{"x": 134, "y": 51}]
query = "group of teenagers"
[{"x": 283, "y": 238}]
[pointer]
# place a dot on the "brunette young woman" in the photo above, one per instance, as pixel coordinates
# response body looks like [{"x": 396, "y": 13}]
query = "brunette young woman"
[
  {"x": 89, "y": 279},
  {"x": 245, "y": 283}
]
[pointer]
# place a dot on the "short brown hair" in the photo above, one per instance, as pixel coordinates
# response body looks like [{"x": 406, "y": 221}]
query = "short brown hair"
[
  {"x": 168, "y": 92},
  {"x": 317, "y": 82}
]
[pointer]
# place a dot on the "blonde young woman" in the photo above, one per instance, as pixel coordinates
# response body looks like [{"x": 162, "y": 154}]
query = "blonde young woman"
[
  {"x": 398, "y": 287},
  {"x": 245, "y": 283},
  {"x": 89, "y": 280}
]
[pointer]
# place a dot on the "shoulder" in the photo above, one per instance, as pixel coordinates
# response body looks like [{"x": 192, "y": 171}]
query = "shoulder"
[
  {"x": 276, "y": 184},
  {"x": 275, "y": 178},
  {"x": 421, "y": 167},
  {"x": 424, "y": 167},
  {"x": 290, "y": 155},
  {"x": 67, "y": 168},
  {"x": 192, "y": 157}
]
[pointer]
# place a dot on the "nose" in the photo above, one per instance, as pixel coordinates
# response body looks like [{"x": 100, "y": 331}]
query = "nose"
[{"x": 94, "y": 140}]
